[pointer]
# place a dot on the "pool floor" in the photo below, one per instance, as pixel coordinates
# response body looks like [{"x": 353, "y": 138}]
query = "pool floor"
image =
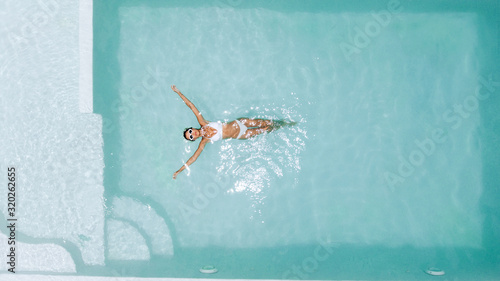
[{"x": 390, "y": 170}]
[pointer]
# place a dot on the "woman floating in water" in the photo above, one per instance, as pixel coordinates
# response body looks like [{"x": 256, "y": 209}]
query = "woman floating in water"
[{"x": 242, "y": 128}]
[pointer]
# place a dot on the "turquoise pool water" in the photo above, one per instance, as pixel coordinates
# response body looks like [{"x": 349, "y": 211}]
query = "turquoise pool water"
[{"x": 391, "y": 169}]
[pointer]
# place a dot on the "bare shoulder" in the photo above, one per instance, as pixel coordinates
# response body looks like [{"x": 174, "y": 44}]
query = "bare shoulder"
[
  {"x": 203, "y": 122},
  {"x": 204, "y": 141}
]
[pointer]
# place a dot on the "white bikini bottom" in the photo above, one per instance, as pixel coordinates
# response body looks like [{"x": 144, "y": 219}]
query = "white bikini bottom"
[{"x": 243, "y": 128}]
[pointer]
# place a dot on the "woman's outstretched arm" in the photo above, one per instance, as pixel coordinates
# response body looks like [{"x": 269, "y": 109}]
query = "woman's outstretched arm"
[
  {"x": 194, "y": 157},
  {"x": 196, "y": 112}
]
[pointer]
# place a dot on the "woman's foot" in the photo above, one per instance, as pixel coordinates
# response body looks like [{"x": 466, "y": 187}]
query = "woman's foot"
[{"x": 281, "y": 123}]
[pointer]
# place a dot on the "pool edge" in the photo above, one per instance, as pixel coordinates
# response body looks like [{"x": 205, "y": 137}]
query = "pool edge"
[{"x": 85, "y": 43}]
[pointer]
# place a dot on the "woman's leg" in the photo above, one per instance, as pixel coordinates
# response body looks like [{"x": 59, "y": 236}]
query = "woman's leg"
[
  {"x": 253, "y": 132},
  {"x": 255, "y": 123},
  {"x": 260, "y": 126}
]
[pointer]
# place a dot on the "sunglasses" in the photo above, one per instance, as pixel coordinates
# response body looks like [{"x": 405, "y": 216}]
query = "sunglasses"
[{"x": 190, "y": 131}]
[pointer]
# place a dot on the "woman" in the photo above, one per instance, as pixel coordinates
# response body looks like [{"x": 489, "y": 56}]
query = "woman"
[{"x": 242, "y": 128}]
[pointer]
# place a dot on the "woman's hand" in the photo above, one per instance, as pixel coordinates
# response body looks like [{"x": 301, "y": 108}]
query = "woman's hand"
[
  {"x": 175, "y": 175},
  {"x": 174, "y": 88}
]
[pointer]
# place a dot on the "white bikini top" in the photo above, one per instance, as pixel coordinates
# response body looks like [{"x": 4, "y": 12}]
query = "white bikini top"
[{"x": 217, "y": 126}]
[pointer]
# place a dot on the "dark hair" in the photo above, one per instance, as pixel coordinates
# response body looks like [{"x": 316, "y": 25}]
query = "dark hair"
[{"x": 184, "y": 134}]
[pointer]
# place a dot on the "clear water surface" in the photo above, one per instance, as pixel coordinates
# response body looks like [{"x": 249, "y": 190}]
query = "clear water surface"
[{"x": 391, "y": 169}]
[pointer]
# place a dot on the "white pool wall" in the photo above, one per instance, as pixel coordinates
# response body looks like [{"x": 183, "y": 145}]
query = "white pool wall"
[
  {"x": 95, "y": 278},
  {"x": 85, "y": 49},
  {"x": 57, "y": 151}
]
